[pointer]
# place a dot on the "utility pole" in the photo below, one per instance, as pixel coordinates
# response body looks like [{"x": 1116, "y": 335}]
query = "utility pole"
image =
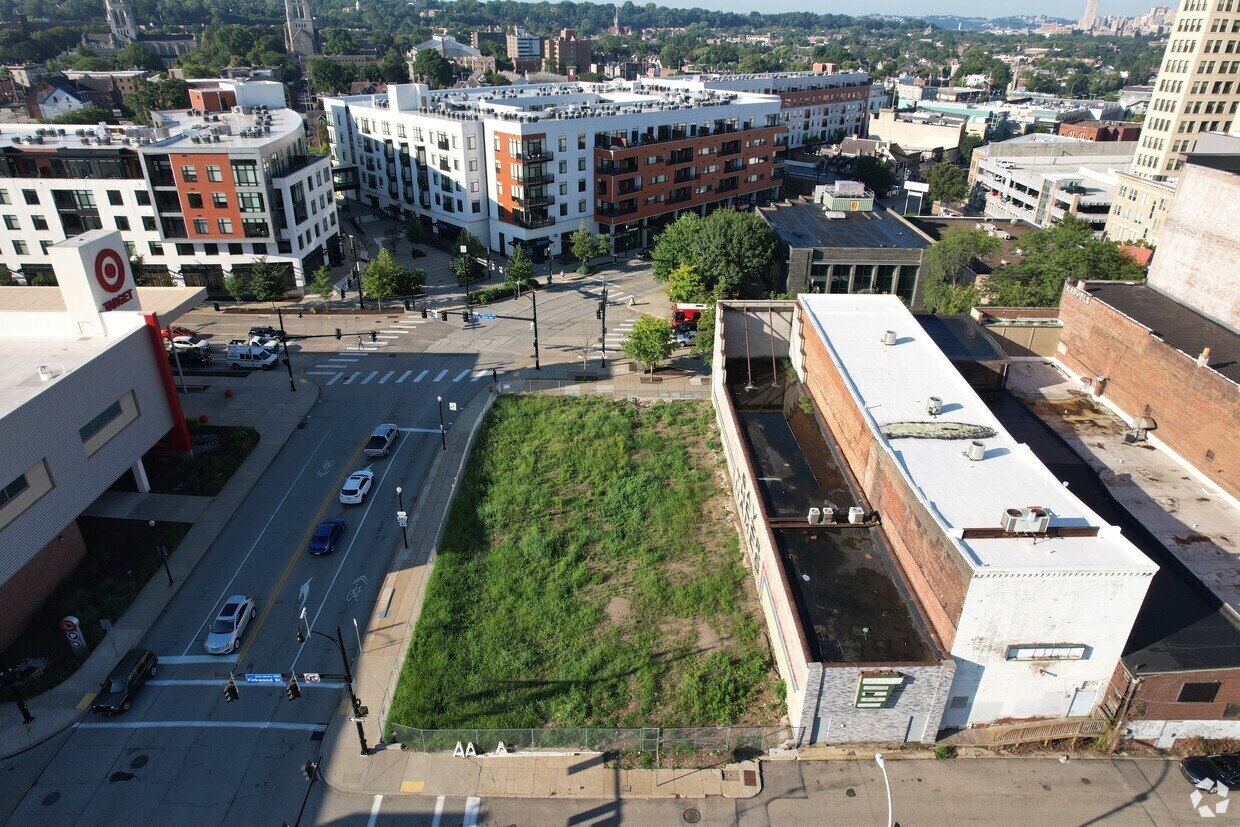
[
  {"x": 359, "y": 711},
  {"x": 292, "y": 385},
  {"x": 602, "y": 334},
  {"x": 534, "y": 299}
]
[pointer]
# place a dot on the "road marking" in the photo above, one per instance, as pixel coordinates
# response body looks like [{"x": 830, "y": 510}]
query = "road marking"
[
  {"x": 372, "y": 375},
  {"x": 175, "y": 660},
  {"x": 441, "y": 375},
  {"x": 439, "y": 802},
  {"x": 220, "y": 682},
  {"x": 349, "y": 381},
  {"x": 322, "y": 373},
  {"x": 342, "y": 359},
  {"x": 297, "y": 551},
  {"x": 403, "y": 376},
  {"x": 382, "y": 338},
  {"x": 337, "y": 379},
  {"x": 197, "y": 724},
  {"x": 461, "y": 375},
  {"x": 479, "y": 375},
  {"x": 374, "y": 811},
  {"x": 397, "y": 332},
  {"x": 412, "y": 786},
  {"x": 471, "y": 811},
  {"x": 258, "y": 538},
  {"x": 86, "y": 699},
  {"x": 419, "y": 430},
  {"x": 387, "y": 376},
  {"x": 420, "y": 375}
]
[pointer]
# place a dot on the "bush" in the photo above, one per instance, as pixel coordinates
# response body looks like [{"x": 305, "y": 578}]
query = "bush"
[
  {"x": 414, "y": 252},
  {"x": 943, "y": 752},
  {"x": 500, "y": 291}
]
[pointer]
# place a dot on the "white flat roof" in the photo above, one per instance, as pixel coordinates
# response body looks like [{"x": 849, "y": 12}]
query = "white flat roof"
[{"x": 892, "y": 384}]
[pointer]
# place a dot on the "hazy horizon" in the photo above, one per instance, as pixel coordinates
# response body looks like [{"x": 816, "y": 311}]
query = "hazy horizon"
[{"x": 1069, "y": 9}]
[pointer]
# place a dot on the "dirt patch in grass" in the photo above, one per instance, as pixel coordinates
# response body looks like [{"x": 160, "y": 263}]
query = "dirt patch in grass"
[
  {"x": 120, "y": 558},
  {"x": 590, "y": 576},
  {"x": 218, "y": 453}
]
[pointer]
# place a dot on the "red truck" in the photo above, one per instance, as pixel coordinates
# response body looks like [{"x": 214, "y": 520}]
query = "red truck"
[{"x": 683, "y": 313}]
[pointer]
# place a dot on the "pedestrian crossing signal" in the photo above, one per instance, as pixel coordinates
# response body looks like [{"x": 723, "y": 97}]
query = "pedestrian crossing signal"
[
  {"x": 230, "y": 690},
  {"x": 337, "y": 333},
  {"x": 292, "y": 691}
]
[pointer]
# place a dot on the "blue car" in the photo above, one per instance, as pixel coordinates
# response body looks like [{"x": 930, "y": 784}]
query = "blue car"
[{"x": 326, "y": 533}]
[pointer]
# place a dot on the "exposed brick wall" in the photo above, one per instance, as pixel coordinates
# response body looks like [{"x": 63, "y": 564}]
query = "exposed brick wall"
[
  {"x": 25, "y": 591},
  {"x": 1197, "y": 410},
  {"x": 937, "y": 575},
  {"x": 1157, "y": 696}
]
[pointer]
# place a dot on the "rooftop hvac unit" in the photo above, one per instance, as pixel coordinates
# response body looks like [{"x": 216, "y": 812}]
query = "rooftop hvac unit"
[
  {"x": 1030, "y": 520},
  {"x": 976, "y": 451},
  {"x": 856, "y": 515},
  {"x": 934, "y": 406},
  {"x": 889, "y": 338},
  {"x": 815, "y": 516},
  {"x": 828, "y": 514}
]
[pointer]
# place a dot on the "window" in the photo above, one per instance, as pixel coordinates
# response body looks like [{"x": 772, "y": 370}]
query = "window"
[
  {"x": 30, "y": 196},
  {"x": 563, "y": 167},
  {"x": 225, "y": 225},
  {"x": 122, "y": 223},
  {"x": 581, "y": 205},
  {"x": 563, "y": 143},
  {"x": 4, "y": 197},
  {"x": 43, "y": 245},
  {"x": 473, "y": 164},
  {"x": 10, "y": 491},
  {"x": 236, "y": 250},
  {"x": 563, "y": 209},
  {"x": 195, "y": 200},
  {"x": 581, "y": 164},
  {"x": 250, "y": 201},
  {"x": 215, "y": 174},
  {"x": 184, "y": 249},
  {"x": 200, "y": 226},
  {"x": 114, "y": 198},
  {"x": 476, "y": 206},
  {"x": 563, "y": 188},
  {"x": 148, "y": 223},
  {"x": 144, "y": 198},
  {"x": 581, "y": 140},
  {"x": 1057, "y": 651},
  {"x": 11, "y": 223},
  {"x": 210, "y": 249},
  {"x": 40, "y": 223},
  {"x": 20, "y": 248},
  {"x": 101, "y": 421},
  {"x": 189, "y": 174},
  {"x": 245, "y": 173},
  {"x": 219, "y": 200},
  {"x": 1198, "y": 693},
  {"x": 157, "y": 248},
  {"x": 581, "y": 185}
]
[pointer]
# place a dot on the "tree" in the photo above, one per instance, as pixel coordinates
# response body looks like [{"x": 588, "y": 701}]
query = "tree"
[
  {"x": 969, "y": 143},
  {"x": 137, "y": 56},
  {"x": 520, "y": 266},
  {"x": 90, "y": 114},
  {"x": 385, "y": 277},
  {"x": 948, "y": 183},
  {"x": 943, "y": 266},
  {"x": 877, "y": 175},
  {"x": 732, "y": 248},
  {"x": 493, "y": 78},
  {"x": 704, "y": 343},
  {"x": 238, "y": 285},
  {"x": 267, "y": 281},
  {"x": 328, "y": 76},
  {"x": 676, "y": 245},
  {"x": 585, "y": 246},
  {"x": 391, "y": 236},
  {"x": 467, "y": 266},
  {"x": 322, "y": 284},
  {"x": 6, "y": 277},
  {"x": 161, "y": 93},
  {"x": 685, "y": 285},
  {"x": 650, "y": 341},
  {"x": 415, "y": 230},
  {"x": 433, "y": 69},
  {"x": 339, "y": 42}
]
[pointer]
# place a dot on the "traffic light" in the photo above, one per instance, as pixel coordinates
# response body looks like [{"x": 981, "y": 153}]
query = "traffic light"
[
  {"x": 337, "y": 333},
  {"x": 292, "y": 691},
  {"x": 374, "y": 336},
  {"x": 230, "y": 690},
  {"x": 465, "y": 315},
  {"x": 443, "y": 315},
  {"x": 423, "y": 312},
  {"x": 598, "y": 312}
]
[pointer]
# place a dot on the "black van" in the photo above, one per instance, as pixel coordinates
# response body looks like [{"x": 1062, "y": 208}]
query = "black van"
[{"x": 117, "y": 692}]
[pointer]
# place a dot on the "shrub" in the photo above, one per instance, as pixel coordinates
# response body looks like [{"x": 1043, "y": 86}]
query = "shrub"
[
  {"x": 943, "y": 752},
  {"x": 500, "y": 291}
]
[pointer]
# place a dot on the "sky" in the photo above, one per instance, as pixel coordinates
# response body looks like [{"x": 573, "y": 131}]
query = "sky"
[{"x": 1069, "y": 9}]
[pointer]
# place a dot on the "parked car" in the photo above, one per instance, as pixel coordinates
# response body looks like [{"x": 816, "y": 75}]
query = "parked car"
[
  {"x": 326, "y": 533},
  {"x": 381, "y": 440},
  {"x": 265, "y": 331},
  {"x": 1207, "y": 772},
  {"x": 250, "y": 356},
  {"x": 189, "y": 358},
  {"x": 686, "y": 338},
  {"x": 116, "y": 694},
  {"x": 265, "y": 342},
  {"x": 173, "y": 330},
  {"x": 356, "y": 487},
  {"x": 229, "y": 624},
  {"x": 190, "y": 343}
]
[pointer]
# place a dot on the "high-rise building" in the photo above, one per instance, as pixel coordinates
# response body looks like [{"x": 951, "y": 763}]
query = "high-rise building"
[
  {"x": 1197, "y": 90},
  {"x": 121, "y": 21},
  {"x": 299, "y": 28},
  {"x": 1090, "y": 17}
]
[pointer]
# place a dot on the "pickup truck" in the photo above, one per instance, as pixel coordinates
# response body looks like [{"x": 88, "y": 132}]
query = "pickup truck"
[{"x": 381, "y": 440}]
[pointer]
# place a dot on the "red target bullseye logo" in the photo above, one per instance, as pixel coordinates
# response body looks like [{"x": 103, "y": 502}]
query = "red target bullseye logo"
[{"x": 110, "y": 270}]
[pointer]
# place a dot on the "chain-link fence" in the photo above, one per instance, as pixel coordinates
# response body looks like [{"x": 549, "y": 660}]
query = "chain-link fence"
[{"x": 642, "y": 739}]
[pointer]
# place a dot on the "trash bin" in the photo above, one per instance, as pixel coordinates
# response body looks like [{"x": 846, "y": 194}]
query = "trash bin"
[{"x": 217, "y": 306}]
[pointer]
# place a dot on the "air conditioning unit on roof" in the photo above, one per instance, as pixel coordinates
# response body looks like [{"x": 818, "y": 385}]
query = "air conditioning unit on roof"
[{"x": 1029, "y": 520}]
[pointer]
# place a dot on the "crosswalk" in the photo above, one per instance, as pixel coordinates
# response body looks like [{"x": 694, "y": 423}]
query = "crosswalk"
[{"x": 353, "y": 369}]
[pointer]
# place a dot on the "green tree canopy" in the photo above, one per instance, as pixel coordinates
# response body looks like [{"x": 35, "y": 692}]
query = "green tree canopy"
[
  {"x": 948, "y": 183},
  {"x": 877, "y": 175},
  {"x": 520, "y": 266},
  {"x": 91, "y": 114},
  {"x": 650, "y": 341},
  {"x": 685, "y": 285},
  {"x": 943, "y": 290},
  {"x": 415, "y": 230},
  {"x": 159, "y": 93},
  {"x": 467, "y": 266},
  {"x": 585, "y": 245},
  {"x": 322, "y": 284},
  {"x": 385, "y": 277},
  {"x": 433, "y": 69},
  {"x": 676, "y": 245},
  {"x": 969, "y": 143},
  {"x": 733, "y": 248},
  {"x": 328, "y": 76},
  {"x": 267, "y": 280}
]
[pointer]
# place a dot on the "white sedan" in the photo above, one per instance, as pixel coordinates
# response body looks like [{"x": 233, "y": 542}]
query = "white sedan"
[
  {"x": 229, "y": 624},
  {"x": 356, "y": 486},
  {"x": 191, "y": 343}
]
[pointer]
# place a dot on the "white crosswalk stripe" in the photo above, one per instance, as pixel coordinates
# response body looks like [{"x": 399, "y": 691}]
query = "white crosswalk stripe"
[
  {"x": 403, "y": 376},
  {"x": 420, "y": 375},
  {"x": 441, "y": 375},
  {"x": 322, "y": 373},
  {"x": 351, "y": 378},
  {"x": 387, "y": 376},
  {"x": 335, "y": 380},
  {"x": 461, "y": 375},
  {"x": 479, "y": 375},
  {"x": 372, "y": 375}
]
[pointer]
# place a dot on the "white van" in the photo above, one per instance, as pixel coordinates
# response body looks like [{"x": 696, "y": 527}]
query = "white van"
[{"x": 250, "y": 356}]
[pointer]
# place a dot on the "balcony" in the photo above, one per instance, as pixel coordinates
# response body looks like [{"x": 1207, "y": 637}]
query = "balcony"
[
  {"x": 535, "y": 155},
  {"x": 443, "y": 145},
  {"x": 612, "y": 210},
  {"x": 730, "y": 148},
  {"x": 683, "y": 175},
  {"x": 628, "y": 187},
  {"x": 622, "y": 167},
  {"x": 539, "y": 200},
  {"x": 531, "y": 180},
  {"x": 680, "y": 156},
  {"x": 531, "y": 222}
]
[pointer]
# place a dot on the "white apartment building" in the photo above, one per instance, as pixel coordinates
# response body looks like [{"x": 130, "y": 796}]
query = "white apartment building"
[
  {"x": 529, "y": 165},
  {"x": 199, "y": 196},
  {"x": 815, "y": 107}
]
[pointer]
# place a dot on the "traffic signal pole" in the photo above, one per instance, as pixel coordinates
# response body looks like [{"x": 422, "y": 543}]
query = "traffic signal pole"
[{"x": 359, "y": 711}]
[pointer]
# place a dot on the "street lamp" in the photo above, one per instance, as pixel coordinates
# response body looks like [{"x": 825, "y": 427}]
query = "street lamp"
[
  {"x": 442, "y": 436},
  {"x": 163, "y": 553},
  {"x": 400, "y": 517},
  {"x": 882, "y": 765},
  {"x": 357, "y": 268}
]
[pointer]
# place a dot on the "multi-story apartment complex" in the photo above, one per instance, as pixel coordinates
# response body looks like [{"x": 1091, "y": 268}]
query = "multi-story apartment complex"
[
  {"x": 529, "y": 165},
  {"x": 1197, "y": 90},
  {"x": 200, "y": 195},
  {"x": 815, "y": 107}
]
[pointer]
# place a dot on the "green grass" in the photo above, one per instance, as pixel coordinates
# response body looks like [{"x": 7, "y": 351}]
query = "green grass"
[
  {"x": 218, "y": 453},
  {"x": 569, "y": 507}
]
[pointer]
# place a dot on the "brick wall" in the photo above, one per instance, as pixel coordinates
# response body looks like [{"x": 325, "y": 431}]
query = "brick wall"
[
  {"x": 26, "y": 590},
  {"x": 1157, "y": 696},
  {"x": 1195, "y": 408},
  {"x": 935, "y": 572}
]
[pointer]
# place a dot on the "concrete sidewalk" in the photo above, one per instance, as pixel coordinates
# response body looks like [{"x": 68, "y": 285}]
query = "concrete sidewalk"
[{"x": 261, "y": 401}]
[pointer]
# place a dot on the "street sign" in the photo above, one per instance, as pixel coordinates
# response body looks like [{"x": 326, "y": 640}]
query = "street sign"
[
  {"x": 310, "y": 677},
  {"x": 452, "y": 406},
  {"x": 485, "y": 315},
  {"x": 264, "y": 677},
  {"x": 357, "y": 719},
  {"x": 303, "y": 593},
  {"x": 402, "y": 517},
  {"x": 434, "y": 314}
]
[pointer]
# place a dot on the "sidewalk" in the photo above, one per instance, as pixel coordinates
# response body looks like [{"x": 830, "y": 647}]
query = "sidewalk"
[{"x": 264, "y": 403}]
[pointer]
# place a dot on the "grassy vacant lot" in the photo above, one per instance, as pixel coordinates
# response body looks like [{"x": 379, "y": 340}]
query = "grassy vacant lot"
[{"x": 589, "y": 576}]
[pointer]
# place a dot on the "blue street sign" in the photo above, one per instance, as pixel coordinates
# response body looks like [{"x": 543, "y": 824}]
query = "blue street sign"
[
  {"x": 264, "y": 677},
  {"x": 486, "y": 315}
]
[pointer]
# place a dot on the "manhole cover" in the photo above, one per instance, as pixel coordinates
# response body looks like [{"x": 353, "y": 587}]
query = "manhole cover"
[
  {"x": 121, "y": 776},
  {"x": 692, "y": 816},
  {"x": 50, "y": 799},
  {"x": 138, "y": 762}
]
